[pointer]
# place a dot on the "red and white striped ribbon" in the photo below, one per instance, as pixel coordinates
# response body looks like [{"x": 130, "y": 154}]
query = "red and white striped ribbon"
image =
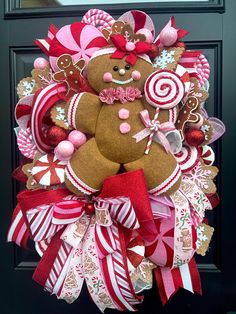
[
  {"x": 44, "y": 44},
  {"x": 59, "y": 269},
  {"x": 120, "y": 209},
  {"x": 44, "y": 99},
  {"x": 116, "y": 274},
  {"x": 18, "y": 232},
  {"x": 39, "y": 220},
  {"x": 189, "y": 59},
  {"x": 170, "y": 280}
]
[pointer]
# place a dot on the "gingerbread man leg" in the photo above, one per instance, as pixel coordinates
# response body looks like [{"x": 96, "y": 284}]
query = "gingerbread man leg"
[
  {"x": 161, "y": 170},
  {"x": 88, "y": 168}
]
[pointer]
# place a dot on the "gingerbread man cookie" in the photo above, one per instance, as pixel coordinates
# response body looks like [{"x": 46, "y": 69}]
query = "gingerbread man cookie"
[
  {"x": 186, "y": 239},
  {"x": 115, "y": 29},
  {"x": 189, "y": 111},
  {"x": 69, "y": 72}
]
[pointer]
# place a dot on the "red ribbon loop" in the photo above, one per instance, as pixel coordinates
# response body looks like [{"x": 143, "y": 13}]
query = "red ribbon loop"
[{"x": 120, "y": 43}]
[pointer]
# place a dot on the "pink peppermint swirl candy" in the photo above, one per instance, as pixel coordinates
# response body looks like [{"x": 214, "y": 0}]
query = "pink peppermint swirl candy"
[
  {"x": 98, "y": 18},
  {"x": 203, "y": 69},
  {"x": 78, "y": 40},
  {"x": 25, "y": 143},
  {"x": 166, "y": 88}
]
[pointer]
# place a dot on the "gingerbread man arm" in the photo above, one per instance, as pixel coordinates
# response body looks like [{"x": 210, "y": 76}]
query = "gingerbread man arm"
[
  {"x": 59, "y": 76},
  {"x": 82, "y": 112}
]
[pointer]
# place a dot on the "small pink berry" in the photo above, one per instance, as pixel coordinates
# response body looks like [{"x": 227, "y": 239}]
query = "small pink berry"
[
  {"x": 77, "y": 138},
  {"x": 136, "y": 75},
  {"x": 107, "y": 77},
  {"x": 123, "y": 114},
  {"x": 168, "y": 36},
  {"x": 64, "y": 150},
  {"x": 147, "y": 33},
  {"x": 129, "y": 46},
  {"x": 125, "y": 128},
  {"x": 40, "y": 63}
]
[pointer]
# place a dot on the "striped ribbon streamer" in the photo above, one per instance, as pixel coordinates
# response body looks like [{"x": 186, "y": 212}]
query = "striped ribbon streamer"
[
  {"x": 116, "y": 274},
  {"x": 18, "y": 231},
  {"x": 169, "y": 280}
]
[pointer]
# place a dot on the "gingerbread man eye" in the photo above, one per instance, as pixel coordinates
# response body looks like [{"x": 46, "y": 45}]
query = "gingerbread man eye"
[
  {"x": 62, "y": 62},
  {"x": 115, "y": 68},
  {"x": 127, "y": 67},
  {"x": 66, "y": 59}
]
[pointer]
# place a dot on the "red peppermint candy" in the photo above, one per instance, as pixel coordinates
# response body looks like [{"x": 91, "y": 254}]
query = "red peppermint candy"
[
  {"x": 207, "y": 155},
  {"x": 188, "y": 157},
  {"x": 161, "y": 250},
  {"x": 48, "y": 170}
]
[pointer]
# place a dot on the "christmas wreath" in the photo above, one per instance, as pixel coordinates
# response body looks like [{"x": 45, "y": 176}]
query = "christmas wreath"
[{"x": 116, "y": 157}]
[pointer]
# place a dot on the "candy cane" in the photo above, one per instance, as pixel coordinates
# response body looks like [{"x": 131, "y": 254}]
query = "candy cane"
[
  {"x": 203, "y": 69},
  {"x": 150, "y": 138},
  {"x": 98, "y": 18}
]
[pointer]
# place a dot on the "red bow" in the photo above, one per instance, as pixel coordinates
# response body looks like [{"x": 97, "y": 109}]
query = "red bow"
[{"x": 121, "y": 44}]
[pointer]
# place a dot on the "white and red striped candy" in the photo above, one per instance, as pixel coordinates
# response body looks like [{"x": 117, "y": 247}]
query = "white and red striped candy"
[
  {"x": 188, "y": 157},
  {"x": 135, "y": 252},
  {"x": 203, "y": 69},
  {"x": 138, "y": 20},
  {"x": 207, "y": 155},
  {"x": 98, "y": 18},
  {"x": 166, "y": 88},
  {"x": 25, "y": 143},
  {"x": 23, "y": 111},
  {"x": 78, "y": 40},
  {"x": 48, "y": 170}
]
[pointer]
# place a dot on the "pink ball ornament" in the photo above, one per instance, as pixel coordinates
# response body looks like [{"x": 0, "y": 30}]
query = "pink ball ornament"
[
  {"x": 40, "y": 63},
  {"x": 77, "y": 138},
  {"x": 147, "y": 33},
  {"x": 168, "y": 36},
  {"x": 129, "y": 46},
  {"x": 64, "y": 150}
]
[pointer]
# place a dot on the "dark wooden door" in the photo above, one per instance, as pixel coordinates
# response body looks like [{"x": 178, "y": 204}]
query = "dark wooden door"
[{"x": 212, "y": 28}]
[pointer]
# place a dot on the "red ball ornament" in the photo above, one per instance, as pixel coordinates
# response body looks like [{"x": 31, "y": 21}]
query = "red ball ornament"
[
  {"x": 194, "y": 137},
  {"x": 89, "y": 208},
  {"x": 55, "y": 135}
]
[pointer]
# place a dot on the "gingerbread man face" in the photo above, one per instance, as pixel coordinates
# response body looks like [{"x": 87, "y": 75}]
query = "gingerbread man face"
[
  {"x": 106, "y": 72},
  {"x": 64, "y": 62}
]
